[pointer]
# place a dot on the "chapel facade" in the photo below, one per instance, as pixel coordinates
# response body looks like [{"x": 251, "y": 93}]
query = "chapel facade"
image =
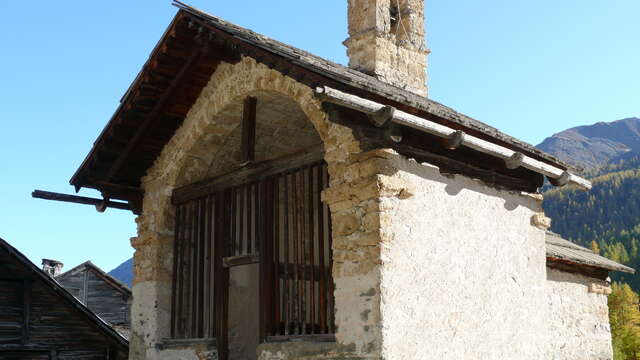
[{"x": 293, "y": 208}]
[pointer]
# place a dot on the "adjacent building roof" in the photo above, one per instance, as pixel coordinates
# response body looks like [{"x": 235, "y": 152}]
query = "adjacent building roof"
[
  {"x": 181, "y": 65},
  {"x": 65, "y": 295},
  {"x": 115, "y": 283},
  {"x": 559, "y": 249}
]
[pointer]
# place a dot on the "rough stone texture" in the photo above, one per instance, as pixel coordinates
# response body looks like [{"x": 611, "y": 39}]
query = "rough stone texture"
[
  {"x": 303, "y": 350},
  {"x": 150, "y": 317},
  {"x": 578, "y": 319},
  {"x": 463, "y": 270},
  {"x": 394, "y": 51},
  {"x": 194, "y": 153}
]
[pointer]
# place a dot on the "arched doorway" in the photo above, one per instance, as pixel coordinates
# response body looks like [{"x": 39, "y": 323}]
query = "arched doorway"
[{"x": 252, "y": 252}]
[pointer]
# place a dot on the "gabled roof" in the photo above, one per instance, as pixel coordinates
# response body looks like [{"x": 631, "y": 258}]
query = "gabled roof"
[
  {"x": 64, "y": 295},
  {"x": 88, "y": 265},
  {"x": 186, "y": 57},
  {"x": 559, "y": 249}
]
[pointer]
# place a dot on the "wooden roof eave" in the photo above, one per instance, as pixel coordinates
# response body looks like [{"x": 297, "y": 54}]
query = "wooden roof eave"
[
  {"x": 305, "y": 68},
  {"x": 77, "y": 178}
]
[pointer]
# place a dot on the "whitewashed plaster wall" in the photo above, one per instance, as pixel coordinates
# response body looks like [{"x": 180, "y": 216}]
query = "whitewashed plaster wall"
[
  {"x": 463, "y": 270},
  {"x": 578, "y": 319}
]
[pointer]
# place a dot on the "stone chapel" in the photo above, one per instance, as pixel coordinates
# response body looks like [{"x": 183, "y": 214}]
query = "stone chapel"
[{"x": 293, "y": 208}]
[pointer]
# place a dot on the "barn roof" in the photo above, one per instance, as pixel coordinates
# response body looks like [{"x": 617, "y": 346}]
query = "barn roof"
[
  {"x": 115, "y": 283},
  {"x": 48, "y": 281},
  {"x": 559, "y": 249},
  {"x": 180, "y": 66}
]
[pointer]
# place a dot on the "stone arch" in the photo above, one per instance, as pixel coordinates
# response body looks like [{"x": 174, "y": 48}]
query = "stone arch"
[{"x": 189, "y": 156}]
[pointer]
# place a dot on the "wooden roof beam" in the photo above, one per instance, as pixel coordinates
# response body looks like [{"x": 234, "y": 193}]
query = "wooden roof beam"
[{"x": 195, "y": 55}]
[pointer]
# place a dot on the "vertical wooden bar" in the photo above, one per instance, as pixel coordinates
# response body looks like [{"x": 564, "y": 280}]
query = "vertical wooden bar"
[
  {"x": 174, "y": 274},
  {"x": 288, "y": 275},
  {"x": 250, "y": 219},
  {"x": 249, "y": 129},
  {"x": 221, "y": 280},
  {"x": 241, "y": 222},
  {"x": 206, "y": 310},
  {"x": 312, "y": 257},
  {"x": 259, "y": 219},
  {"x": 233, "y": 222},
  {"x": 296, "y": 255},
  {"x": 276, "y": 268},
  {"x": 180, "y": 293},
  {"x": 303, "y": 248},
  {"x": 215, "y": 254},
  {"x": 265, "y": 205},
  {"x": 201, "y": 267},
  {"x": 194, "y": 278},
  {"x": 189, "y": 271}
]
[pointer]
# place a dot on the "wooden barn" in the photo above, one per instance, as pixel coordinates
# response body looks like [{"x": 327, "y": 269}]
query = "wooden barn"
[
  {"x": 39, "y": 319},
  {"x": 101, "y": 293}
]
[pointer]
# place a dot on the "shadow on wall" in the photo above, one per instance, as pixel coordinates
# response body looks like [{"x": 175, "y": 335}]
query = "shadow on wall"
[{"x": 454, "y": 184}]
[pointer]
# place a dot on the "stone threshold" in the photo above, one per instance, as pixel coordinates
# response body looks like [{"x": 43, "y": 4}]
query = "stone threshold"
[
  {"x": 185, "y": 343},
  {"x": 323, "y": 338}
]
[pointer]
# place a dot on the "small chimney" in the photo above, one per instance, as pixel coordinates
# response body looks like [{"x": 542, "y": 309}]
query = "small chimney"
[
  {"x": 53, "y": 268},
  {"x": 387, "y": 40}
]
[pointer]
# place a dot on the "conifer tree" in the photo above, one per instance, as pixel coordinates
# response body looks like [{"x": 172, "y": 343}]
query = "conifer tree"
[{"x": 624, "y": 314}]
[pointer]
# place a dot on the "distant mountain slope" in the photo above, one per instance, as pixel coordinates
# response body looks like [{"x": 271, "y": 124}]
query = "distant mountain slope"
[
  {"x": 595, "y": 145},
  {"x": 609, "y": 214},
  {"x": 124, "y": 272}
]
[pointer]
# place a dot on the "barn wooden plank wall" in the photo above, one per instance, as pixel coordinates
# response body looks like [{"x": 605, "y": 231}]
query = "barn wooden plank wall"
[
  {"x": 39, "y": 322},
  {"x": 109, "y": 302}
]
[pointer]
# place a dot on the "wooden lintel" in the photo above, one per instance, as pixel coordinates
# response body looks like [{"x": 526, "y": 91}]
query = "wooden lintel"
[
  {"x": 247, "y": 174},
  {"x": 249, "y": 113}
]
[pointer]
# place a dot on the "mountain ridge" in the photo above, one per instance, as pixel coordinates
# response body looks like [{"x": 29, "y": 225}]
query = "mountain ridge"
[{"x": 593, "y": 146}]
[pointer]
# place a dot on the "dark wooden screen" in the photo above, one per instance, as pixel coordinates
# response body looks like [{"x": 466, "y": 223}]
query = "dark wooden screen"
[
  {"x": 298, "y": 283},
  {"x": 195, "y": 265},
  {"x": 280, "y": 221}
]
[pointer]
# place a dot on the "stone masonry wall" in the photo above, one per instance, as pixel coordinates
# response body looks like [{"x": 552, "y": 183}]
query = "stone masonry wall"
[
  {"x": 578, "y": 317},
  {"x": 391, "y": 50},
  {"x": 462, "y": 269},
  {"x": 188, "y": 157}
]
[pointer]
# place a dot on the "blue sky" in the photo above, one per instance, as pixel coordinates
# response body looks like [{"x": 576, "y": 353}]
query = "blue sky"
[{"x": 529, "y": 68}]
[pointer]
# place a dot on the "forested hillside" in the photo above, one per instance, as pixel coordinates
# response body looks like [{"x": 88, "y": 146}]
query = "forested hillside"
[{"x": 608, "y": 215}]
